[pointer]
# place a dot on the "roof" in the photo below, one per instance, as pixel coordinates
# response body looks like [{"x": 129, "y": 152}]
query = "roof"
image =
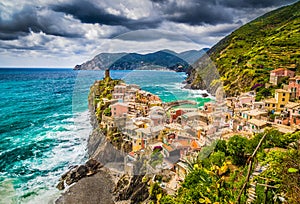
[
  {"x": 292, "y": 105},
  {"x": 157, "y": 128},
  {"x": 270, "y": 100},
  {"x": 255, "y": 112},
  {"x": 193, "y": 114},
  {"x": 281, "y": 91},
  {"x": 120, "y": 86},
  {"x": 119, "y": 104},
  {"x": 130, "y": 127},
  {"x": 284, "y": 129},
  {"x": 195, "y": 145},
  {"x": 167, "y": 147},
  {"x": 138, "y": 123},
  {"x": 146, "y": 131},
  {"x": 182, "y": 143},
  {"x": 278, "y": 70},
  {"x": 258, "y": 123}
]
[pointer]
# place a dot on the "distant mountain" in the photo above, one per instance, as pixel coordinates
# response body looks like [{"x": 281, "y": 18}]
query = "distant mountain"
[
  {"x": 130, "y": 61},
  {"x": 246, "y": 56}
]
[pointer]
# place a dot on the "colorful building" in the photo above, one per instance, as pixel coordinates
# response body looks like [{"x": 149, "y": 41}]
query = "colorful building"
[
  {"x": 277, "y": 104},
  {"x": 294, "y": 87},
  {"x": 277, "y": 75},
  {"x": 118, "y": 109}
]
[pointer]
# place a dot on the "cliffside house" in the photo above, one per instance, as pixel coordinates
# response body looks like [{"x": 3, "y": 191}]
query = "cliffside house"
[
  {"x": 277, "y": 104},
  {"x": 119, "y": 109},
  {"x": 290, "y": 116},
  {"x": 245, "y": 100},
  {"x": 254, "y": 114},
  {"x": 277, "y": 75},
  {"x": 294, "y": 87},
  {"x": 256, "y": 126}
]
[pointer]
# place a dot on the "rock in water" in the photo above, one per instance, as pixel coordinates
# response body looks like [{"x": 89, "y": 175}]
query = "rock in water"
[{"x": 90, "y": 168}]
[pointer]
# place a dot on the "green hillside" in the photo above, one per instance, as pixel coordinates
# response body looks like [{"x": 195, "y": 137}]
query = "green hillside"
[{"x": 246, "y": 56}]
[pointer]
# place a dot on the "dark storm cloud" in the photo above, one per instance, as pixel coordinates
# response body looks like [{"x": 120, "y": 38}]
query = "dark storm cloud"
[
  {"x": 253, "y": 3},
  {"x": 87, "y": 12},
  {"x": 213, "y": 12},
  {"x": 199, "y": 14},
  {"x": 151, "y": 35},
  {"x": 26, "y": 20}
]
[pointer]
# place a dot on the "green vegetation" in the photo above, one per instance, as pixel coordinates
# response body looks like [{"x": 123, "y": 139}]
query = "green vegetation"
[
  {"x": 246, "y": 56},
  {"x": 219, "y": 177},
  {"x": 99, "y": 91},
  {"x": 156, "y": 158}
]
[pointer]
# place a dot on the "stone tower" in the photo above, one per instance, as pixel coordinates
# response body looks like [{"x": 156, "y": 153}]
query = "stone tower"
[{"x": 107, "y": 74}]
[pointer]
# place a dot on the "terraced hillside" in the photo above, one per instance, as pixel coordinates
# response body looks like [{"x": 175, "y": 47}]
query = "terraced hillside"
[{"x": 246, "y": 56}]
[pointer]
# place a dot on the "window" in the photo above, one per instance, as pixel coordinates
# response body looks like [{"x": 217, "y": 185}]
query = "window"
[
  {"x": 283, "y": 99},
  {"x": 283, "y": 94},
  {"x": 281, "y": 106},
  {"x": 273, "y": 105}
]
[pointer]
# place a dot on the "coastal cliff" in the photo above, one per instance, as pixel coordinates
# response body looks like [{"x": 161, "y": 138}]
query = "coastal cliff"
[{"x": 94, "y": 182}]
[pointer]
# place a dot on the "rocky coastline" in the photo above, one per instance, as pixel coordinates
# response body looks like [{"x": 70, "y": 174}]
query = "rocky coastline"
[{"x": 95, "y": 182}]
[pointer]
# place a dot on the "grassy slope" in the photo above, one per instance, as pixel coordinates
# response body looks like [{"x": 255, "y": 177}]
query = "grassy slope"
[{"x": 271, "y": 41}]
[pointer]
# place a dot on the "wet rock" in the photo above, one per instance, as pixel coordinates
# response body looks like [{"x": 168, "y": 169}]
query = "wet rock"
[
  {"x": 94, "y": 189},
  {"x": 61, "y": 185},
  {"x": 91, "y": 167}
]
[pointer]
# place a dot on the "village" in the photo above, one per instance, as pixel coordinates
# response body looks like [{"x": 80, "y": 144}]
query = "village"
[{"x": 170, "y": 133}]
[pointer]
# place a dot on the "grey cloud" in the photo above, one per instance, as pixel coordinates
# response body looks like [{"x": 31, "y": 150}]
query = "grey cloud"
[
  {"x": 213, "y": 12},
  {"x": 197, "y": 13},
  {"x": 27, "y": 20},
  {"x": 87, "y": 12},
  {"x": 253, "y": 3},
  {"x": 151, "y": 35}
]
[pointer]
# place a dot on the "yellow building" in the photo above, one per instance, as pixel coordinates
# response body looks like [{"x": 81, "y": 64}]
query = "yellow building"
[{"x": 277, "y": 104}]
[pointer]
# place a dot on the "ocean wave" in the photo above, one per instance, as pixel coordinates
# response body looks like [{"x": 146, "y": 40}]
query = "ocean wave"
[{"x": 40, "y": 160}]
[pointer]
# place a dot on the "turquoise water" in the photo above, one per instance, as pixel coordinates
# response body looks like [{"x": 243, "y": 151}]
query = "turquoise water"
[{"x": 45, "y": 124}]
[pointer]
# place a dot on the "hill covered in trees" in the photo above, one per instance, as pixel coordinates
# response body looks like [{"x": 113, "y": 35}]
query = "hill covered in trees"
[
  {"x": 246, "y": 56},
  {"x": 156, "y": 60}
]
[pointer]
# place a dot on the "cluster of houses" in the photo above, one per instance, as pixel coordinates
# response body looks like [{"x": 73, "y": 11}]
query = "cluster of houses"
[
  {"x": 180, "y": 133},
  {"x": 281, "y": 112}
]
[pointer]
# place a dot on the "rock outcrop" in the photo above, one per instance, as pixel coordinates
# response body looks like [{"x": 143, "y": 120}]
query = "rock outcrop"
[
  {"x": 100, "y": 149},
  {"x": 95, "y": 189},
  {"x": 131, "y": 188},
  {"x": 90, "y": 168}
]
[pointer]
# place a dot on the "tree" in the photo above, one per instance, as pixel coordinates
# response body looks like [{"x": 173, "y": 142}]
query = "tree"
[
  {"x": 221, "y": 146},
  {"x": 217, "y": 158},
  {"x": 236, "y": 147}
]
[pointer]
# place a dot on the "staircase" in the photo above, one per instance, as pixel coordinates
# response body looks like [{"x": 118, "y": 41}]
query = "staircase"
[{"x": 252, "y": 189}]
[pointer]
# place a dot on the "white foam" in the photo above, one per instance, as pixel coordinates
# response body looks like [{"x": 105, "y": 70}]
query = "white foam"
[{"x": 70, "y": 151}]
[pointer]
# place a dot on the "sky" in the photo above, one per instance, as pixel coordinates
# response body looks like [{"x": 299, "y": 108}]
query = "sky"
[{"x": 63, "y": 33}]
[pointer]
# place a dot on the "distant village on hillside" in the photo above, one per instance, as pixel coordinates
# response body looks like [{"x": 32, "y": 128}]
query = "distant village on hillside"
[{"x": 170, "y": 134}]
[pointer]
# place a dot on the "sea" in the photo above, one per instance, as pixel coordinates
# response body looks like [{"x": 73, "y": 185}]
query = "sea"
[{"x": 44, "y": 124}]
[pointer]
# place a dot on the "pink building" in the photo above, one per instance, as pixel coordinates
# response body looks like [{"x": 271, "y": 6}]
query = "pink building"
[
  {"x": 278, "y": 74},
  {"x": 245, "y": 100},
  {"x": 294, "y": 87},
  {"x": 120, "y": 89},
  {"x": 118, "y": 109},
  {"x": 294, "y": 113}
]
